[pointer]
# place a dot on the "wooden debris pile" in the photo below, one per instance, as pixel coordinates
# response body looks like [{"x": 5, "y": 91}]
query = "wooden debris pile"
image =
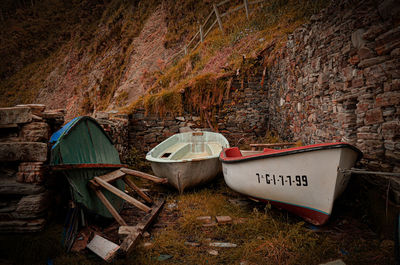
[
  {"x": 120, "y": 237},
  {"x": 24, "y": 133}
]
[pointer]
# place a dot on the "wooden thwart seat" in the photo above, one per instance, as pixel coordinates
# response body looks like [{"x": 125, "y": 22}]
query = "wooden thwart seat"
[{"x": 255, "y": 146}]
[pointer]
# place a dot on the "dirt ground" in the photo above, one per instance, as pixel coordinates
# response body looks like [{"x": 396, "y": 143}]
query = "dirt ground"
[{"x": 262, "y": 234}]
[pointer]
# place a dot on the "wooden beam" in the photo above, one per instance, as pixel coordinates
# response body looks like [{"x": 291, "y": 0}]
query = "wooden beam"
[
  {"x": 125, "y": 230},
  {"x": 254, "y": 146},
  {"x": 201, "y": 34},
  {"x": 104, "y": 248},
  {"x": 114, "y": 175},
  {"x": 109, "y": 207},
  {"x": 130, "y": 241},
  {"x": 209, "y": 29},
  {"x": 218, "y": 18},
  {"x": 137, "y": 189},
  {"x": 144, "y": 175},
  {"x": 246, "y": 6},
  {"x": 122, "y": 195},
  {"x": 223, "y": 3},
  {"x": 232, "y": 10}
]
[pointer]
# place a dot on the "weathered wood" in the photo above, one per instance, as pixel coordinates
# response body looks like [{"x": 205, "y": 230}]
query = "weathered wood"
[
  {"x": 137, "y": 189},
  {"x": 208, "y": 18},
  {"x": 257, "y": 2},
  {"x": 254, "y": 146},
  {"x": 190, "y": 42},
  {"x": 144, "y": 175},
  {"x": 201, "y": 34},
  {"x": 246, "y": 7},
  {"x": 130, "y": 240},
  {"x": 232, "y": 10},
  {"x": 104, "y": 248},
  {"x": 109, "y": 207},
  {"x": 114, "y": 175},
  {"x": 73, "y": 166},
  {"x": 218, "y": 18},
  {"x": 125, "y": 230},
  {"x": 209, "y": 29},
  {"x": 223, "y": 2},
  {"x": 122, "y": 195}
]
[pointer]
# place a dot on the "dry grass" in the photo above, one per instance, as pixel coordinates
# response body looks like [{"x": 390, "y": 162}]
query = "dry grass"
[{"x": 264, "y": 235}]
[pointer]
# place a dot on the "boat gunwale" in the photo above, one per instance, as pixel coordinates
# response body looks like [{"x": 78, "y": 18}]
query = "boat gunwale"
[
  {"x": 290, "y": 151},
  {"x": 221, "y": 140}
]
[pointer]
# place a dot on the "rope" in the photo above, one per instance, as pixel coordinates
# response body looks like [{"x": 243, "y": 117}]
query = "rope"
[{"x": 360, "y": 171}]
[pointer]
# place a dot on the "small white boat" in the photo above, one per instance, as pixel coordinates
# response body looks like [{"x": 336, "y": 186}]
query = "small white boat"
[
  {"x": 188, "y": 159},
  {"x": 303, "y": 180}
]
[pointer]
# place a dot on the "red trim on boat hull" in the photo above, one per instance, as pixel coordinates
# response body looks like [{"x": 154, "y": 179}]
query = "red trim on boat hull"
[{"x": 314, "y": 217}]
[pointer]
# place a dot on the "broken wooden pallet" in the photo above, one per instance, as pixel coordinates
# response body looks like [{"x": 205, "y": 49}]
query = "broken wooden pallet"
[{"x": 105, "y": 181}]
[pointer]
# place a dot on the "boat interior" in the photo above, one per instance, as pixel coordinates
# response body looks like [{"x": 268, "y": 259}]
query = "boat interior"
[
  {"x": 195, "y": 145},
  {"x": 181, "y": 150}
]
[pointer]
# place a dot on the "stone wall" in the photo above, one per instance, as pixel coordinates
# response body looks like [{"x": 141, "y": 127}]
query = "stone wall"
[
  {"x": 241, "y": 117},
  {"x": 116, "y": 126},
  {"x": 338, "y": 79},
  {"x": 24, "y": 133}
]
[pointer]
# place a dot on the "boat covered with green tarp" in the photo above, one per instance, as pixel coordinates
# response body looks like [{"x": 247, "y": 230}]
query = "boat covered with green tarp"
[{"x": 82, "y": 150}]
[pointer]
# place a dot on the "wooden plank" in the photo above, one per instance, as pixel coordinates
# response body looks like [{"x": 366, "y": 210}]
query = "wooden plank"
[
  {"x": 104, "y": 248},
  {"x": 125, "y": 230},
  {"x": 208, "y": 18},
  {"x": 209, "y": 29},
  {"x": 144, "y": 175},
  {"x": 246, "y": 7},
  {"x": 201, "y": 34},
  {"x": 271, "y": 145},
  {"x": 130, "y": 241},
  {"x": 223, "y": 2},
  {"x": 218, "y": 18},
  {"x": 137, "y": 189},
  {"x": 257, "y": 2},
  {"x": 190, "y": 42},
  {"x": 114, "y": 175},
  {"x": 122, "y": 195},
  {"x": 232, "y": 11},
  {"x": 109, "y": 207},
  {"x": 73, "y": 166}
]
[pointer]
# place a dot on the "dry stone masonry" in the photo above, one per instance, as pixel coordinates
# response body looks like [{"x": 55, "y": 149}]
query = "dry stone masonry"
[
  {"x": 24, "y": 134},
  {"x": 241, "y": 117},
  {"x": 338, "y": 79}
]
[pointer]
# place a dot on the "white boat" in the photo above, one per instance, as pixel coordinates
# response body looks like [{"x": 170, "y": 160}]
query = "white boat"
[
  {"x": 188, "y": 159},
  {"x": 303, "y": 180}
]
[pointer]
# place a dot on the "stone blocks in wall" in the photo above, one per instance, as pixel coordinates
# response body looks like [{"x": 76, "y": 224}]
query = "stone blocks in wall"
[
  {"x": 15, "y": 115},
  {"x": 24, "y": 134},
  {"x": 347, "y": 64},
  {"x": 23, "y": 151}
]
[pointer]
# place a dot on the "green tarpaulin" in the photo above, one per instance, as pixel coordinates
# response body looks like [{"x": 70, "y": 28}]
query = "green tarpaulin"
[{"x": 83, "y": 142}]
